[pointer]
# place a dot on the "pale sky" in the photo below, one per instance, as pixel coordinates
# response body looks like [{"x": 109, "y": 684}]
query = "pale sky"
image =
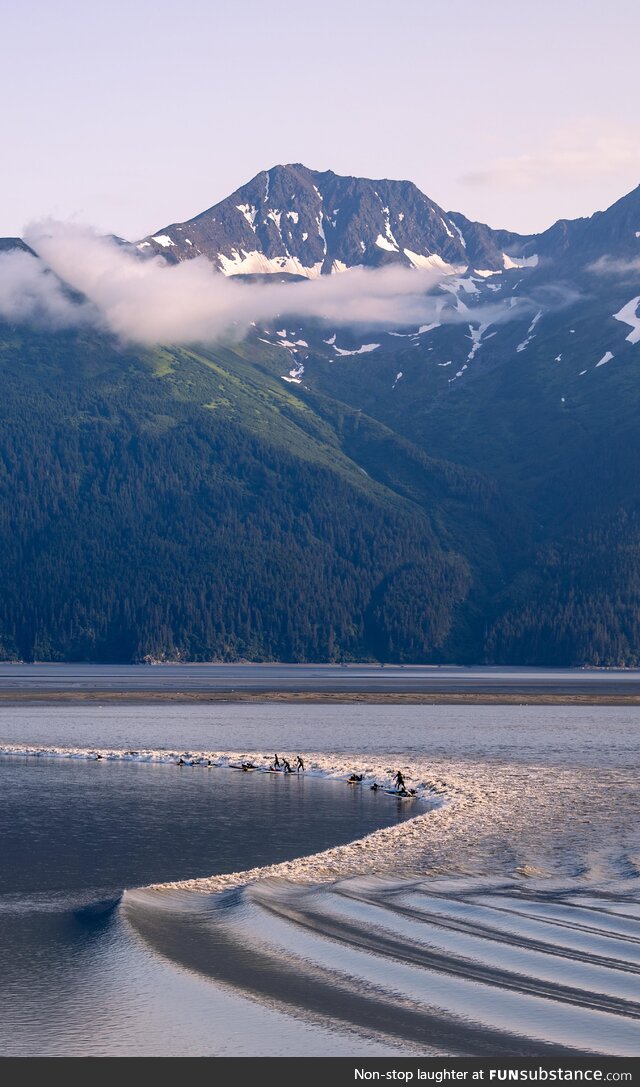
[{"x": 138, "y": 113}]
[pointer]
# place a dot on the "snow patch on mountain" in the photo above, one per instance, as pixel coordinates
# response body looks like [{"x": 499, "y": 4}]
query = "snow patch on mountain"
[
  {"x": 530, "y": 333},
  {"x": 433, "y": 262},
  {"x": 384, "y": 243},
  {"x": 446, "y": 227},
  {"x": 366, "y": 347},
  {"x": 249, "y": 213},
  {"x": 629, "y": 316},
  {"x": 275, "y": 217},
  {"x": 321, "y": 232},
  {"x": 255, "y": 263},
  {"x": 520, "y": 262},
  {"x": 460, "y": 235},
  {"x": 475, "y": 335},
  {"x": 294, "y": 376}
]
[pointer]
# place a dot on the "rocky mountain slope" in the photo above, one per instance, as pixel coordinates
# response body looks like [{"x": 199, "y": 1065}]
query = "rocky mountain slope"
[{"x": 463, "y": 489}]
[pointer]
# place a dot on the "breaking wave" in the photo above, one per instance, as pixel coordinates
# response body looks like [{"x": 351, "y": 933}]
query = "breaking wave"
[{"x": 403, "y": 936}]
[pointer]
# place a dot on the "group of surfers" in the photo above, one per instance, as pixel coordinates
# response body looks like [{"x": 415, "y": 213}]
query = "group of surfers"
[
  {"x": 398, "y": 781},
  {"x": 278, "y": 764},
  {"x": 285, "y": 766}
]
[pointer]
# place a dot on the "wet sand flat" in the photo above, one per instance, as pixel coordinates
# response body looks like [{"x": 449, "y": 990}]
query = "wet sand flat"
[{"x": 353, "y": 683}]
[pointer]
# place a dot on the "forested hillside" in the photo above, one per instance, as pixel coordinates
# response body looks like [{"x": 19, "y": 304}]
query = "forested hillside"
[{"x": 175, "y": 505}]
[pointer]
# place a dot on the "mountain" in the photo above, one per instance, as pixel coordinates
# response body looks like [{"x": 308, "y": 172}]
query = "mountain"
[
  {"x": 307, "y": 223},
  {"x": 9, "y": 245},
  {"x": 529, "y": 376},
  {"x": 465, "y": 489},
  {"x": 301, "y": 222}
]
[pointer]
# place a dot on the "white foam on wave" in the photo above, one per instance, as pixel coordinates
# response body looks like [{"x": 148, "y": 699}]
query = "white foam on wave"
[{"x": 365, "y": 854}]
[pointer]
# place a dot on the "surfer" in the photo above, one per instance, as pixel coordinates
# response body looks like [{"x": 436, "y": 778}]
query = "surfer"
[
  {"x": 286, "y": 767},
  {"x": 299, "y": 765},
  {"x": 375, "y": 785},
  {"x": 399, "y": 781},
  {"x": 276, "y": 762},
  {"x": 354, "y": 778}
]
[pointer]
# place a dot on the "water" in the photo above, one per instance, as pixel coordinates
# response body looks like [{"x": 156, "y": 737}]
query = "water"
[
  {"x": 207, "y": 678},
  {"x": 70, "y": 826},
  {"x": 502, "y": 918}
]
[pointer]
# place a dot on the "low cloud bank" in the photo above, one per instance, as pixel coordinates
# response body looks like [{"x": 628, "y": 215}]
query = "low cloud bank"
[
  {"x": 615, "y": 266},
  {"x": 31, "y": 294},
  {"x": 149, "y": 301}
]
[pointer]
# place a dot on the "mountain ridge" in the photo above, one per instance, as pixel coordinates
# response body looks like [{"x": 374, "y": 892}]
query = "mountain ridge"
[
  {"x": 463, "y": 490},
  {"x": 290, "y": 219}
]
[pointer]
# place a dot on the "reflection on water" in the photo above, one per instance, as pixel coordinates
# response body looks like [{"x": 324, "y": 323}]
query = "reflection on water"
[
  {"x": 467, "y": 967},
  {"x": 512, "y": 929},
  {"x": 73, "y": 979}
]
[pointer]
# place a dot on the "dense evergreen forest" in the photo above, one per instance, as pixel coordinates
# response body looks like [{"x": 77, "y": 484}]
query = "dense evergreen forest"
[
  {"x": 189, "y": 505},
  {"x": 136, "y": 521}
]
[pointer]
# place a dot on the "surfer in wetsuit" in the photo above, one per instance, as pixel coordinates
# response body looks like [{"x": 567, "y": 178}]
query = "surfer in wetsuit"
[
  {"x": 299, "y": 765},
  {"x": 286, "y": 767},
  {"x": 354, "y": 778},
  {"x": 399, "y": 781},
  {"x": 276, "y": 762}
]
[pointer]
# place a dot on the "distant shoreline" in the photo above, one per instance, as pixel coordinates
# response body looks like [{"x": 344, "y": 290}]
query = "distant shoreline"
[{"x": 400, "y": 698}]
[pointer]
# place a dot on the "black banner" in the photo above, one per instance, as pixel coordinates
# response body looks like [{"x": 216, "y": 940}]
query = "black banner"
[{"x": 332, "y": 1071}]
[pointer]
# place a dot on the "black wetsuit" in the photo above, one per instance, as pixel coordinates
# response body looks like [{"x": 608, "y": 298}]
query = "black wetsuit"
[
  {"x": 399, "y": 780},
  {"x": 299, "y": 764},
  {"x": 287, "y": 768}
]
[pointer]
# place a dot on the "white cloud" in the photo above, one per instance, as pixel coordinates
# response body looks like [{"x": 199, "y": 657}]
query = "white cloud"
[
  {"x": 615, "y": 266},
  {"x": 151, "y": 301},
  {"x": 589, "y": 148},
  {"x": 29, "y": 292}
]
